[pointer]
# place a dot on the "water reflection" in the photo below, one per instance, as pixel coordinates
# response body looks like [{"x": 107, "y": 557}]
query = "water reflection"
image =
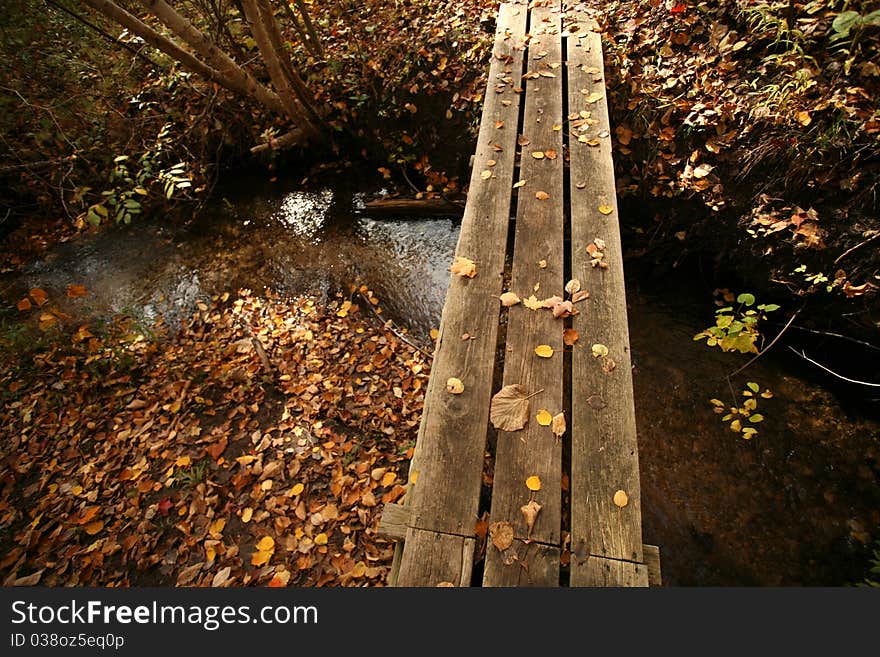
[{"x": 305, "y": 213}]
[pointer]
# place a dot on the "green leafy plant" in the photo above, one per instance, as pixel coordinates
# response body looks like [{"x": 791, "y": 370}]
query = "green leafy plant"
[
  {"x": 742, "y": 418},
  {"x": 873, "y": 578},
  {"x": 736, "y": 328}
]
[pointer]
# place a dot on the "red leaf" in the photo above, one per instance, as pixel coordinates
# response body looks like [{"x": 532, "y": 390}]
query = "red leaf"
[
  {"x": 679, "y": 8},
  {"x": 165, "y": 506}
]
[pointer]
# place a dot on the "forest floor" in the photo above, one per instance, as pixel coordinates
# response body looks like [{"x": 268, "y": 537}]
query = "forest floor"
[{"x": 256, "y": 445}]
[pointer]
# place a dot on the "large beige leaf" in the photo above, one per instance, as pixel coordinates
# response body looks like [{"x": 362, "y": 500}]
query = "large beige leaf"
[{"x": 510, "y": 408}]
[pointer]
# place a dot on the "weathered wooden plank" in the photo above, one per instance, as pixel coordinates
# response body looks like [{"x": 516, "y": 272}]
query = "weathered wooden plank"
[
  {"x": 524, "y": 564},
  {"x": 652, "y": 563},
  {"x": 603, "y": 427},
  {"x": 451, "y": 444},
  {"x": 432, "y": 559},
  {"x": 539, "y": 236},
  {"x": 598, "y": 571},
  {"x": 394, "y": 522}
]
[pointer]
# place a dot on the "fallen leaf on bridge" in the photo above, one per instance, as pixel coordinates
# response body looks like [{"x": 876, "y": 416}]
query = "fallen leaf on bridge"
[
  {"x": 509, "y": 410},
  {"x": 621, "y": 499},
  {"x": 501, "y": 533},
  {"x": 530, "y": 513},
  {"x": 544, "y": 418},
  {"x": 558, "y": 425},
  {"x": 509, "y": 299},
  {"x": 454, "y": 386},
  {"x": 464, "y": 267},
  {"x": 544, "y": 350},
  {"x": 533, "y": 483}
]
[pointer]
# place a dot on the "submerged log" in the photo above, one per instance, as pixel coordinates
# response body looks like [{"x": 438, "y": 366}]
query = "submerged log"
[{"x": 432, "y": 206}]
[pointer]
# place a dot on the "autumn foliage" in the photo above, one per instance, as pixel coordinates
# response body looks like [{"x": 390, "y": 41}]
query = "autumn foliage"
[{"x": 139, "y": 458}]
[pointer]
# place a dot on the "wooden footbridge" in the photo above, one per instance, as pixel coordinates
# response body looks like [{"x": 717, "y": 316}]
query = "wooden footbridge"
[{"x": 547, "y": 504}]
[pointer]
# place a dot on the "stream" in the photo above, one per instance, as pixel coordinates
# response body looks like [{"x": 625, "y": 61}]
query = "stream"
[{"x": 799, "y": 504}]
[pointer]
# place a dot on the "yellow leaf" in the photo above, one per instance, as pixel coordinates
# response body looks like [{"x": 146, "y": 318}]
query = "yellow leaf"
[
  {"x": 454, "y": 386},
  {"x": 544, "y": 418},
  {"x": 76, "y": 490},
  {"x": 261, "y": 557},
  {"x": 621, "y": 499},
  {"x": 94, "y": 527},
  {"x": 216, "y": 527},
  {"x": 544, "y": 350},
  {"x": 542, "y": 196},
  {"x": 599, "y": 350},
  {"x": 538, "y": 155},
  {"x": 183, "y": 462},
  {"x": 519, "y": 184},
  {"x": 266, "y": 544},
  {"x": 388, "y": 479},
  {"x": 247, "y": 514},
  {"x": 532, "y": 303},
  {"x": 266, "y": 485},
  {"x": 280, "y": 579},
  {"x": 360, "y": 568},
  {"x": 434, "y": 333},
  {"x": 297, "y": 489},
  {"x": 533, "y": 483},
  {"x": 606, "y": 209},
  {"x": 464, "y": 267},
  {"x": 321, "y": 539},
  {"x": 246, "y": 460},
  {"x": 485, "y": 175},
  {"x": 509, "y": 299}
]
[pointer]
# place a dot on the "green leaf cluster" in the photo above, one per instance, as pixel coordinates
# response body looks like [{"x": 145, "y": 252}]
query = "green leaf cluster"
[
  {"x": 742, "y": 418},
  {"x": 736, "y": 329}
]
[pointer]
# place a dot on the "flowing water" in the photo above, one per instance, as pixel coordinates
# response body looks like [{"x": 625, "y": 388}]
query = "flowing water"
[{"x": 796, "y": 505}]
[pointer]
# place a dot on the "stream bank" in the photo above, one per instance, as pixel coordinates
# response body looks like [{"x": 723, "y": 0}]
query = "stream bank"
[{"x": 798, "y": 504}]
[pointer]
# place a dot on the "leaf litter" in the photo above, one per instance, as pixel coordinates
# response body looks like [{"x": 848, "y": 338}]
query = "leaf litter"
[{"x": 139, "y": 457}]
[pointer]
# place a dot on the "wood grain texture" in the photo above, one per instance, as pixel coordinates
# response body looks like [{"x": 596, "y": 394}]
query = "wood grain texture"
[
  {"x": 394, "y": 522},
  {"x": 432, "y": 559},
  {"x": 539, "y": 236},
  {"x": 598, "y": 571},
  {"x": 451, "y": 444},
  {"x": 603, "y": 427},
  {"x": 531, "y": 564},
  {"x": 652, "y": 563}
]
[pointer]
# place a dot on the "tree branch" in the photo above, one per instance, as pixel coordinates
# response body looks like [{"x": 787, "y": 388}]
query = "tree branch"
[{"x": 832, "y": 372}]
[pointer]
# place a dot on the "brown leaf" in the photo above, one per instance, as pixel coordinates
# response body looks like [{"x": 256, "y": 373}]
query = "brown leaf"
[
  {"x": 558, "y": 425},
  {"x": 530, "y": 513},
  {"x": 217, "y": 448},
  {"x": 501, "y": 533},
  {"x": 29, "y": 580},
  {"x": 542, "y": 196},
  {"x": 188, "y": 574},
  {"x": 76, "y": 291},
  {"x": 24, "y": 304},
  {"x": 510, "y": 408},
  {"x": 39, "y": 296},
  {"x": 570, "y": 336},
  {"x": 580, "y": 295}
]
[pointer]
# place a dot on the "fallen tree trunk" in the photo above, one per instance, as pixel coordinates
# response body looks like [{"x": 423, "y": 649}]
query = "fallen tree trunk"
[{"x": 434, "y": 206}]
